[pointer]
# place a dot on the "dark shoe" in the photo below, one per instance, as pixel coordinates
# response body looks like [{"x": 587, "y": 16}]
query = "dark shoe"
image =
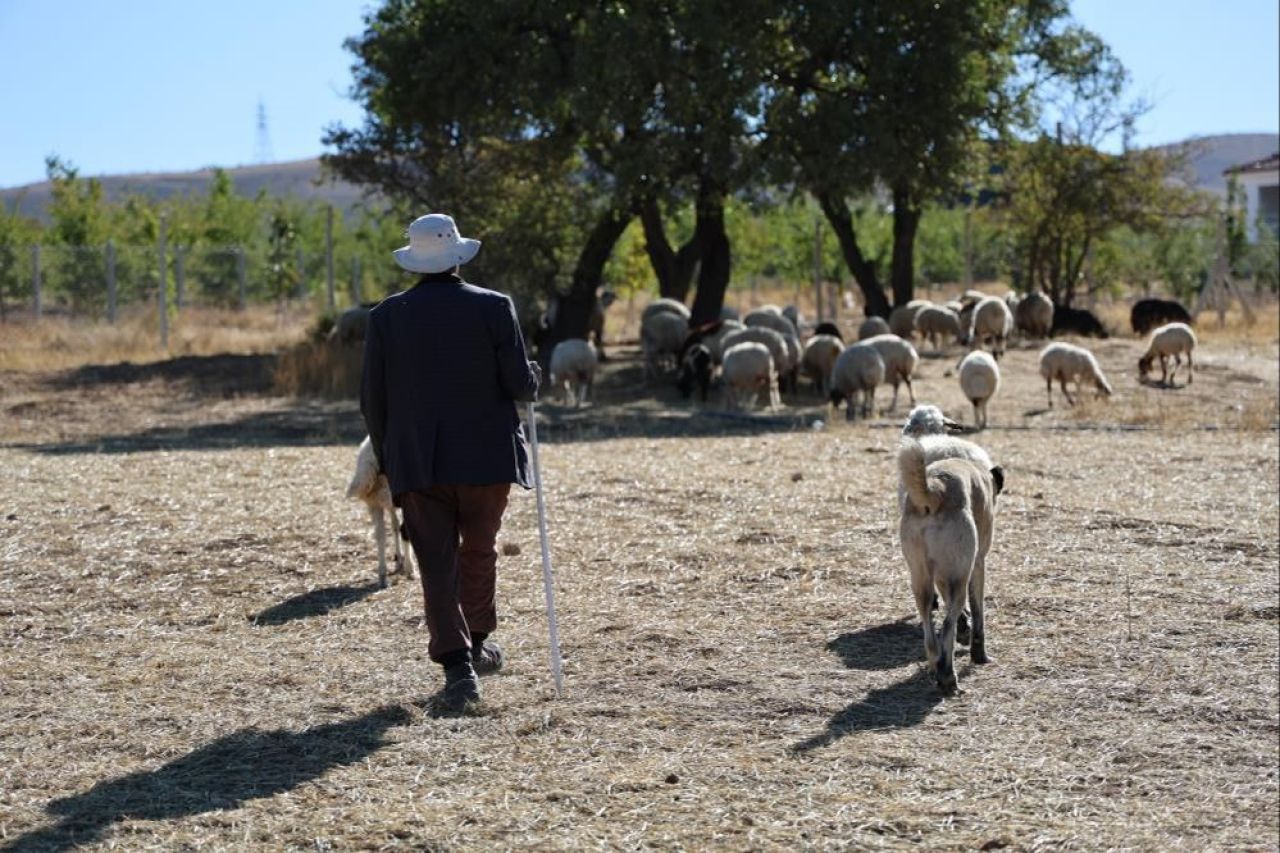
[
  {"x": 487, "y": 659},
  {"x": 461, "y": 688}
]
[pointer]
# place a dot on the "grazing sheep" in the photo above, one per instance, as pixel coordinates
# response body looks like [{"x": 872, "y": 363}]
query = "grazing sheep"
[
  {"x": 714, "y": 341},
  {"x": 792, "y": 313},
  {"x": 1064, "y": 361},
  {"x": 696, "y": 368},
  {"x": 573, "y": 369},
  {"x": 1146, "y": 314},
  {"x": 748, "y": 368},
  {"x": 784, "y": 363},
  {"x": 937, "y": 323},
  {"x": 664, "y": 306},
  {"x": 991, "y": 321},
  {"x": 972, "y": 297},
  {"x": 820, "y": 354},
  {"x": 351, "y": 325},
  {"x": 662, "y": 336},
  {"x": 979, "y": 380},
  {"x": 369, "y": 484},
  {"x": 829, "y": 328},
  {"x": 764, "y": 317},
  {"x": 728, "y": 312},
  {"x": 1033, "y": 315},
  {"x": 900, "y": 361},
  {"x": 1172, "y": 339},
  {"x": 1076, "y": 321},
  {"x": 902, "y": 320},
  {"x": 946, "y": 527},
  {"x": 856, "y": 373},
  {"x": 873, "y": 326}
]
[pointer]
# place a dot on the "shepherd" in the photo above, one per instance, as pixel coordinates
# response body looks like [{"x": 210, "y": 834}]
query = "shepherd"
[{"x": 444, "y": 366}]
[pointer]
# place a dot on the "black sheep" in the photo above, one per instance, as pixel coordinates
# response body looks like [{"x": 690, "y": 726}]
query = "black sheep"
[
  {"x": 1146, "y": 314},
  {"x": 829, "y": 329},
  {"x": 695, "y": 369},
  {"x": 1077, "y": 321}
]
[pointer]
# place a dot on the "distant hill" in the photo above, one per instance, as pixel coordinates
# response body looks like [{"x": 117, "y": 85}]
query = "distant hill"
[
  {"x": 1211, "y": 155},
  {"x": 299, "y": 179}
]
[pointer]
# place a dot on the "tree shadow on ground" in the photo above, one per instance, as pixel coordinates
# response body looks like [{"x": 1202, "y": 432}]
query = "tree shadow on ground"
[
  {"x": 316, "y": 602},
  {"x": 886, "y": 646},
  {"x": 901, "y": 705},
  {"x": 206, "y": 375},
  {"x": 224, "y": 774}
]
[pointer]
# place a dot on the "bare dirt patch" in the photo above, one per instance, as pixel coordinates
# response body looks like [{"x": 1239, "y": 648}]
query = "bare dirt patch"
[{"x": 194, "y": 653}]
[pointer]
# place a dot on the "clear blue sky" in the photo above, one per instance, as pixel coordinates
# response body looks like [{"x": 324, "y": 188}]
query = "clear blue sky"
[{"x": 141, "y": 85}]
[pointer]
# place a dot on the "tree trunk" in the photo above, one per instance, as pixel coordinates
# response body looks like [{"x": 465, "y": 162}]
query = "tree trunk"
[
  {"x": 574, "y": 311},
  {"x": 864, "y": 272},
  {"x": 906, "y": 220},
  {"x": 673, "y": 268},
  {"x": 713, "y": 251}
]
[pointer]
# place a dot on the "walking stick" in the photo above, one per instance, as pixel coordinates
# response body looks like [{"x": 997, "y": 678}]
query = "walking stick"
[{"x": 546, "y": 553}]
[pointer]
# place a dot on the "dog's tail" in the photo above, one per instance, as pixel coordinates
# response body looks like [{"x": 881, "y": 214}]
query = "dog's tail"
[{"x": 915, "y": 479}]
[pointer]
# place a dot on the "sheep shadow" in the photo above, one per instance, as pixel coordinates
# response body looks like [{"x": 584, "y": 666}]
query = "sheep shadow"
[
  {"x": 901, "y": 705},
  {"x": 881, "y": 647},
  {"x": 315, "y": 602},
  {"x": 224, "y": 774}
]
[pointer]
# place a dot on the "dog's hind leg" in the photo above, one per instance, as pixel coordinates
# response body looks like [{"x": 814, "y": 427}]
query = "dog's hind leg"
[
  {"x": 380, "y": 534},
  {"x": 922, "y": 589},
  {"x": 945, "y": 670},
  {"x": 978, "y": 647}
]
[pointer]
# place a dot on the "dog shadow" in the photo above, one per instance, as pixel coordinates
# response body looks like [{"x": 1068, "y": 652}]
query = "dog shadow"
[
  {"x": 880, "y": 647},
  {"x": 221, "y": 775},
  {"x": 901, "y": 705},
  {"x": 316, "y": 602}
]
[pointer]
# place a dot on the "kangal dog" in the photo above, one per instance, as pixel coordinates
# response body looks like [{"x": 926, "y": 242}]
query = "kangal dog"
[
  {"x": 948, "y": 515},
  {"x": 369, "y": 484}
]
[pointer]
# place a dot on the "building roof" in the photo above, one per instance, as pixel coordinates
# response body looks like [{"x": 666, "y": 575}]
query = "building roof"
[{"x": 1266, "y": 164}]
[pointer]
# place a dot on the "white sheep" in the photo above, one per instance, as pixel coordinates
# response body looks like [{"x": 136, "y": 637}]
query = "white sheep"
[
  {"x": 715, "y": 341},
  {"x": 992, "y": 320},
  {"x": 777, "y": 344},
  {"x": 938, "y": 323},
  {"x": 900, "y": 361},
  {"x": 662, "y": 336},
  {"x": 1034, "y": 315},
  {"x": 664, "y": 306},
  {"x": 1172, "y": 339},
  {"x": 857, "y": 372},
  {"x": 573, "y": 369},
  {"x": 748, "y": 368},
  {"x": 873, "y": 326},
  {"x": 1063, "y": 361},
  {"x": 820, "y": 354},
  {"x": 369, "y": 484},
  {"x": 979, "y": 380},
  {"x": 902, "y": 320},
  {"x": 770, "y": 319}
]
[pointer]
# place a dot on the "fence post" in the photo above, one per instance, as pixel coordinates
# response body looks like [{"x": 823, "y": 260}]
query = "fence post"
[
  {"x": 242, "y": 276},
  {"x": 355, "y": 280},
  {"x": 35, "y": 279},
  {"x": 179, "y": 277},
  {"x": 163, "y": 292},
  {"x": 111, "y": 282},
  {"x": 328, "y": 255}
]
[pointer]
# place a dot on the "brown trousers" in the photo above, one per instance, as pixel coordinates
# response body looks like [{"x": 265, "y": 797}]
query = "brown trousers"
[{"x": 457, "y": 579}]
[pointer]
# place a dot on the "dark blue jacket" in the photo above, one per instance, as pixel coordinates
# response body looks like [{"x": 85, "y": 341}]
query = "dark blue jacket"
[{"x": 444, "y": 365}]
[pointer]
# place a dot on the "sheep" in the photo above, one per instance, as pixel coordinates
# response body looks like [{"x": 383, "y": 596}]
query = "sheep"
[
  {"x": 992, "y": 321},
  {"x": 748, "y": 367},
  {"x": 369, "y": 484},
  {"x": 662, "y": 336},
  {"x": 979, "y": 380},
  {"x": 714, "y": 339},
  {"x": 1064, "y": 361},
  {"x": 770, "y": 320},
  {"x": 1171, "y": 339},
  {"x": 946, "y": 527},
  {"x": 1146, "y": 314},
  {"x": 873, "y": 326},
  {"x": 1033, "y": 315},
  {"x": 1076, "y": 321},
  {"x": 573, "y": 369},
  {"x": 664, "y": 306},
  {"x": 972, "y": 297},
  {"x": 696, "y": 368},
  {"x": 351, "y": 325},
  {"x": 728, "y": 312},
  {"x": 936, "y": 323},
  {"x": 829, "y": 328},
  {"x": 856, "y": 373},
  {"x": 792, "y": 313},
  {"x": 902, "y": 320},
  {"x": 777, "y": 344},
  {"x": 820, "y": 354},
  {"x": 900, "y": 360}
]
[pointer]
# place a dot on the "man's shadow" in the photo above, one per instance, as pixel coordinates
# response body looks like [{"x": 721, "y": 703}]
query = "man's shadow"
[{"x": 246, "y": 765}]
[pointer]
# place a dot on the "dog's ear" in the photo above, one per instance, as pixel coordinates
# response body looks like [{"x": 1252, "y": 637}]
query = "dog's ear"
[{"x": 997, "y": 476}]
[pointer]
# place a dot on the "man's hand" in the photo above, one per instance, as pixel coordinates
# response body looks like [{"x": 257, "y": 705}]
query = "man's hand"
[{"x": 537, "y": 371}]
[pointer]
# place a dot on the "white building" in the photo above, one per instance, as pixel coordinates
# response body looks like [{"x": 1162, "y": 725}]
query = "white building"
[{"x": 1260, "y": 181}]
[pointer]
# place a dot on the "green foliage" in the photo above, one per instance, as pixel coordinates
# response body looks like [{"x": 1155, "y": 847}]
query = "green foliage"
[
  {"x": 282, "y": 241},
  {"x": 17, "y": 233},
  {"x": 628, "y": 271},
  {"x": 79, "y": 225}
]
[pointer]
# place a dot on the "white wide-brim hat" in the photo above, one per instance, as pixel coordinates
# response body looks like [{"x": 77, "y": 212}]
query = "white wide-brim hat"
[{"x": 435, "y": 245}]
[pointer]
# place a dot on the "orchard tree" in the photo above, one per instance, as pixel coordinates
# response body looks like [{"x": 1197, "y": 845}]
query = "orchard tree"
[{"x": 79, "y": 225}]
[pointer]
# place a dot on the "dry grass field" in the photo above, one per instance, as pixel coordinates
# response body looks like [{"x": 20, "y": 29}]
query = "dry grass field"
[{"x": 195, "y": 654}]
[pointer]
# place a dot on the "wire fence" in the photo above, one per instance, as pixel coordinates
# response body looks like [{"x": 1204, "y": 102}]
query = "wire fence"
[{"x": 98, "y": 282}]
